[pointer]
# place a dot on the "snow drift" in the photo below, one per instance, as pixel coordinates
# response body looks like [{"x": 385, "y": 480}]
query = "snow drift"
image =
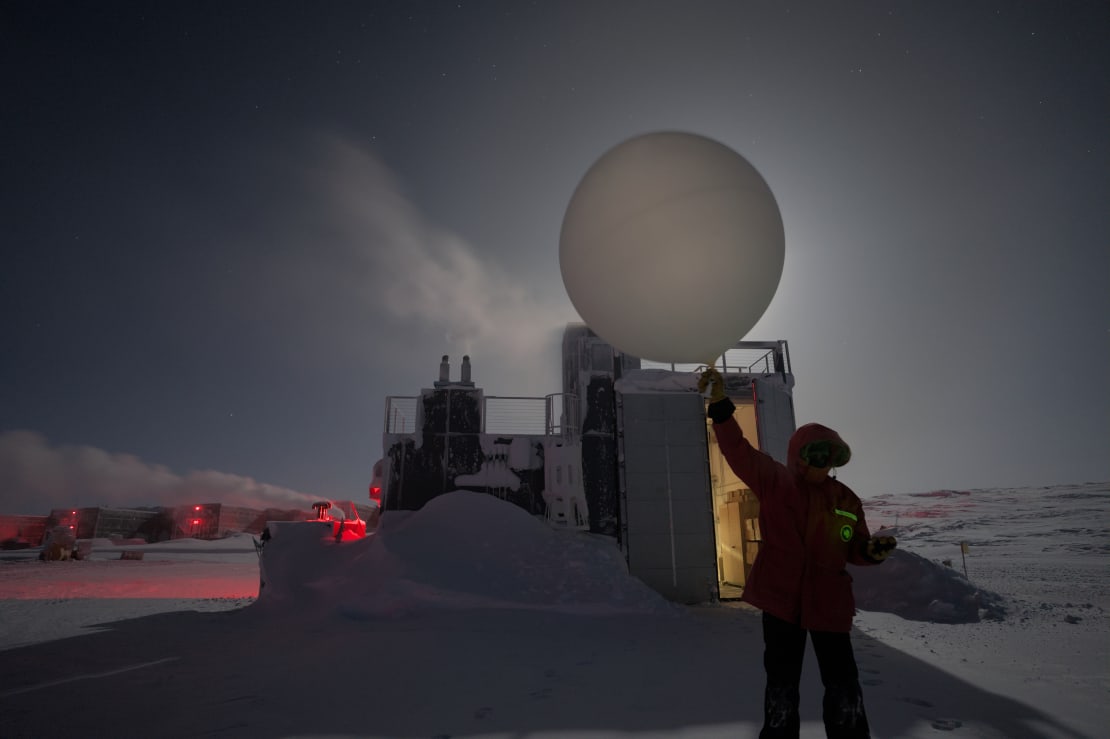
[
  {"x": 918, "y": 589},
  {"x": 461, "y": 550}
]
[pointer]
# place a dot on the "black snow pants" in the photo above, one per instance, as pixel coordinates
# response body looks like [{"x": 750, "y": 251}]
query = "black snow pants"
[{"x": 784, "y": 648}]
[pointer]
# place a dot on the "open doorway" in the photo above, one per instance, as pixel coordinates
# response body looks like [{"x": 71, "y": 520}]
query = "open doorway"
[{"x": 735, "y": 510}]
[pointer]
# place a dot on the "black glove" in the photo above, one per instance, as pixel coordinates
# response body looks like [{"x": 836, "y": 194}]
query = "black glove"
[{"x": 880, "y": 547}]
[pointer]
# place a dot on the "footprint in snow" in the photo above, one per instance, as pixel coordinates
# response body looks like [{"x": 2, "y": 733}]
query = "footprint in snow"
[
  {"x": 946, "y": 724},
  {"x": 918, "y": 702}
]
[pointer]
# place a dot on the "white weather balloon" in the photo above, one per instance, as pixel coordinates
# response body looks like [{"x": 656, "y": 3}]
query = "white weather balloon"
[{"x": 671, "y": 247}]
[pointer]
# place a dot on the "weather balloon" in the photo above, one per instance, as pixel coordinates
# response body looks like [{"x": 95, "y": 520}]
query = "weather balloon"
[{"x": 671, "y": 247}]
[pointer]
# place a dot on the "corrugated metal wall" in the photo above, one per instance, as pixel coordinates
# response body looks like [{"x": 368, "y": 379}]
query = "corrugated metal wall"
[{"x": 666, "y": 498}]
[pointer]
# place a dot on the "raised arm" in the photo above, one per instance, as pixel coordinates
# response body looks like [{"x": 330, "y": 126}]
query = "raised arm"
[{"x": 759, "y": 471}]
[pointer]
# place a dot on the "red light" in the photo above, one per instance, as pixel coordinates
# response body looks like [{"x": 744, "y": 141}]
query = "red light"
[
  {"x": 71, "y": 526},
  {"x": 375, "y": 492},
  {"x": 196, "y": 521},
  {"x": 73, "y": 513},
  {"x": 196, "y": 508}
]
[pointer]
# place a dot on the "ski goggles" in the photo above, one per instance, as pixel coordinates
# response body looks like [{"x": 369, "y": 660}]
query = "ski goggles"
[{"x": 825, "y": 454}]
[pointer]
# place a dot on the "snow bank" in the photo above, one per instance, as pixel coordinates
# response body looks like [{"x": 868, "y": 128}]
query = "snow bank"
[
  {"x": 472, "y": 550},
  {"x": 918, "y": 589},
  {"x": 461, "y": 550}
]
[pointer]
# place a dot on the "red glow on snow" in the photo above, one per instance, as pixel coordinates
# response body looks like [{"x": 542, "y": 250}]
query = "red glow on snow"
[{"x": 105, "y": 579}]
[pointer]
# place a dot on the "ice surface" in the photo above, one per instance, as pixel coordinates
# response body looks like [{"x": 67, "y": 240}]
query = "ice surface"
[{"x": 471, "y": 618}]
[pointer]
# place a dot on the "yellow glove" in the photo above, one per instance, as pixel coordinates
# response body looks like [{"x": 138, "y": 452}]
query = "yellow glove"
[
  {"x": 880, "y": 547},
  {"x": 711, "y": 379}
]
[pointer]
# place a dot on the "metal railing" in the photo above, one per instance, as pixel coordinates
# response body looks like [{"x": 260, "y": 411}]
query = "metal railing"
[
  {"x": 514, "y": 415},
  {"x": 551, "y": 415},
  {"x": 562, "y": 413},
  {"x": 400, "y": 414},
  {"x": 747, "y": 357}
]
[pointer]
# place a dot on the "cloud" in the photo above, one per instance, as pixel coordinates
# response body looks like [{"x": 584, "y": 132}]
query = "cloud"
[
  {"x": 36, "y": 477},
  {"x": 359, "y": 269}
]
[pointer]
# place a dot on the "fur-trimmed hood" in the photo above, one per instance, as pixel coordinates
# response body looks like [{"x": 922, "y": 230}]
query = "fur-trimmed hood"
[{"x": 806, "y": 434}]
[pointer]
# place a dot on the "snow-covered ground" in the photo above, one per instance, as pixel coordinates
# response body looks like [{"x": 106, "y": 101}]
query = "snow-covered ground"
[{"x": 470, "y": 618}]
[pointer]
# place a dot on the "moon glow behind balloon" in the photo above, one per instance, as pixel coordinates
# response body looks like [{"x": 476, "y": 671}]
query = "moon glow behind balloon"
[{"x": 672, "y": 247}]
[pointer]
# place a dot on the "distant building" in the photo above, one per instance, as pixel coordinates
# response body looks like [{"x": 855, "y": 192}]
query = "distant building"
[
  {"x": 625, "y": 451},
  {"x": 216, "y": 520},
  {"x": 213, "y": 520},
  {"x": 107, "y": 523},
  {"x": 200, "y": 521},
  {"x": 19, "y": 531}
]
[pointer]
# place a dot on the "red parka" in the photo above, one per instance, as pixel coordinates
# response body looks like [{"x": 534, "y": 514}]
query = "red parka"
[{"x": 810, "y": 530}]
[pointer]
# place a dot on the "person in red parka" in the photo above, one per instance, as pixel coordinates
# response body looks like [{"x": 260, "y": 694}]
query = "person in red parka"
[{"x": 812, "y": 525}]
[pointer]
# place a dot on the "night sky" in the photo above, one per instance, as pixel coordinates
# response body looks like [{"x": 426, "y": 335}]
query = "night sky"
[{"x": 230, "y": 229}]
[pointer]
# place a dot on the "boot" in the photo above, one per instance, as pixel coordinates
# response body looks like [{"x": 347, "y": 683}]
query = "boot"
[
  {"x": 780, "y": 713},
  {"x": 843, "y": 713}
]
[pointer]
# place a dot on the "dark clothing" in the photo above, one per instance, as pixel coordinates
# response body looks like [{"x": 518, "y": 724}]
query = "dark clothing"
[
  {"x": 784, "y": 650},
  {"x": 810, "y": 530}
]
